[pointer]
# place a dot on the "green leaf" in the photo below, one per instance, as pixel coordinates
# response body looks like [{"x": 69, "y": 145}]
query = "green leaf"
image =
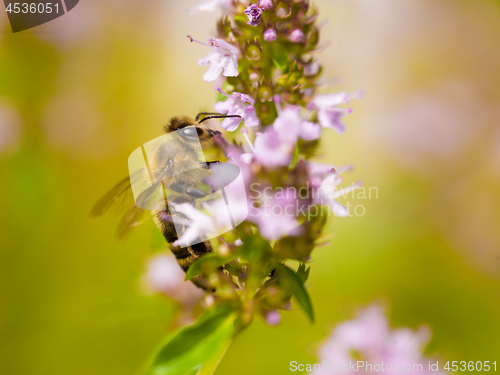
[
  {"x": 240, "y": 18},
  {"x": 297, "y": 288},
  {"x": 295, "y": 158},
  {"x": 279, "y": 56},
  {"x": 197, "y": 349},
  {"x": 303, "y": 272},
  {"x": 208, "y": 263}
]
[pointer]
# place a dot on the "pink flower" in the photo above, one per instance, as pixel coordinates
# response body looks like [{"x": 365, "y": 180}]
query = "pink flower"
[
  {"x": 329, "y": 114},
  {"x": 327, "y": 192},
  {"x": 276, "y": 214},
  {"x": 165, "y": 276},
  {"x": 222, "y": 59},
  {"x": 270, "y": 35},
  {"x": 237, "y": 105},
  {"x": 290, "y": 126},
  {"x": 227, "y": 6},
  {"x": 370, "y": 336},
  {"x": 296, "y": 36},
  {"x": 271, "y": 151},
  {"x": 253, "y": 13},
  {"x": 317, "y": 172},
  {"x": 274, "y": 147}
]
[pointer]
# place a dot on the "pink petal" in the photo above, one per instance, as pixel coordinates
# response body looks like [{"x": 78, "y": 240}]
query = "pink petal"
[
  {"x": 223, "y": 44},
  {"x": 246, "y": 157},
  {"x": 212, "y": 73},
  {"x": 331, "y": 119},
  {"x": 231, "y": 124},
  {"x": 206, "y": 6},
  {"x": 224, "y": 106},
  {"x": 251, "y": 117},
  {"x": 310, "y": 131},
  {"x": 231, "y": 68},
  {"x": 338, "y": 209},
  {"x": 287, "y": 125},
  {"x": 330, "y": 100},
  {"x": 208, "y": 58}
]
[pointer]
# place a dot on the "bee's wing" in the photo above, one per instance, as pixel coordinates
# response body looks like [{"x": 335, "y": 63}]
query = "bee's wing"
[
  {"x": 103, "y": 205},
  {"x": 136, "y": 215},
  {"x": 132, "y": 218},
  {"x": 122, "y": 189}
]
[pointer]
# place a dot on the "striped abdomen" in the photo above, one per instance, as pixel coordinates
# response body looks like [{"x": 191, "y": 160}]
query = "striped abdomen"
[{"x": 185, "y": 255}]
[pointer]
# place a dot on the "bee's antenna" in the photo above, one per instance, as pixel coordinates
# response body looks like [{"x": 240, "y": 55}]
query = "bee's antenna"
[
  {"x": 205, "y": 113},
  {"x": 219, "y": 116}
]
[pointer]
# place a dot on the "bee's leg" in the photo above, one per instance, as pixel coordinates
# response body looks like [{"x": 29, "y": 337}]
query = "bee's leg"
[{"x": 194, "y": 192}]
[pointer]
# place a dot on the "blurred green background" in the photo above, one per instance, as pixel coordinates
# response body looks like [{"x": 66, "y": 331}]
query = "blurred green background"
[{"x": 78, "y": 94}]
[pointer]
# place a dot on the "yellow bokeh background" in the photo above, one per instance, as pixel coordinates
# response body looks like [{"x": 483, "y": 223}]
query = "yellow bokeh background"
[{"x": 80, "y": 93}]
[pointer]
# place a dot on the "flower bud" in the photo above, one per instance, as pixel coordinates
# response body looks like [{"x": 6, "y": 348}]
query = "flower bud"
[
  {"x": 266, "y": 4},
  {"x": 273, "y": 317},
  {"x": 270, "y": 35},
  {"x": 265, "y": 90},
  {"x": 253, "y": 49},
  {"x": 254, "y": 76},
  {"x": 296, "y": 36}
]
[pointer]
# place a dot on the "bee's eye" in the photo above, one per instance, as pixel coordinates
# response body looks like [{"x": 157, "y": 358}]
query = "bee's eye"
[{"x": 192, "y": 132}]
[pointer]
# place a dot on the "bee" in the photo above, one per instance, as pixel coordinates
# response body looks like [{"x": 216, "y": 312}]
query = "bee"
[{"x": 178, "y": 155}]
